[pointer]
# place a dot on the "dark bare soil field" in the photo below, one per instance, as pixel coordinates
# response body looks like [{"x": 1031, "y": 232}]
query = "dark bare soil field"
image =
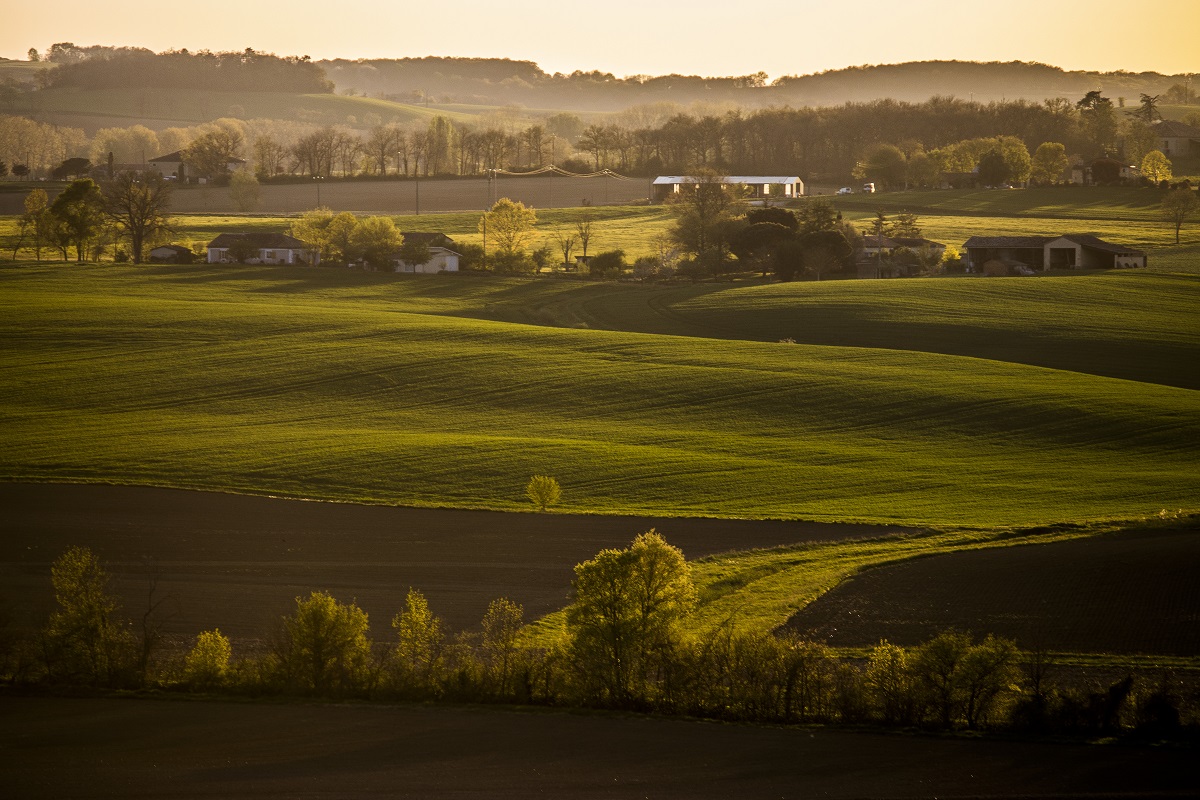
[
  {"x": 237, "y": 563},
  {"x": 128, "y": 748},
  {"x": 1134, "y": 592}
]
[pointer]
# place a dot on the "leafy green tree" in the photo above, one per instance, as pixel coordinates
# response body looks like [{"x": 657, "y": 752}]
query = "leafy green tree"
[
  {"x": 816, "y": 215},
  {"x": 1098, "y": 120},
  {"x": 885, "y": 165},
  {"x": 889, "y": 683},
  {"x": 210, "y": 154},
  {"x": 608, "y": 265},
  {"x": 83, "y": 639},
  {"x": 993, "y": 170},
  {"x": 906, "y": 225},
  {"x": 312, "y": 228},
  {"x": 755, "y": 245},
  {"x": 340, "y": 233},
  {"x": 626, "y": 612},
  {"x": 244, "y": 190},
  {"x": 543, "y": 491},
  {"x": 1177, "y": 206},
  {"x": 509, "y": 225},
  {"x": 208, "y": 661},
  {"x": 415, "y": 252},
  {"x": 80, "y": 209},
  {"x": 376, "y": 241},
  {"x": 705, "y": 215},
  {"x": 419, "y": 642},
  {"x": 502, "y": 626},
  {"x": 1156, "y": 166},
  {"x": 325, "y": 648},
  {"x": 1049, "y": 163},
  {"x": 989, "y": 670},
  {"x": 242, "y": 250},
  {"x": 136, "y": 205},
  {"x": 937, "y": 668},
  {"x": 72, "y": 168},
  {"x": 924, "y": 171},
  {"x": 38, "y": 220},
  {"x": 774, "y": 214},
  {"x": 824, "y": 252}
]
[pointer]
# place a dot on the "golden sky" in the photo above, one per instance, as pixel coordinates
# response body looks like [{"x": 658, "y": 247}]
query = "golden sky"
[{"x": 629, "y": 37}]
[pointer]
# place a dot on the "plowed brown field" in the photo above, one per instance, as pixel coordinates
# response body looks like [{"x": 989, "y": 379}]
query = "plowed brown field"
[
  {"x": 76, "y": 748},
  {"x": 236, "y": 562},
  {"x": 1134, "y": 592}
]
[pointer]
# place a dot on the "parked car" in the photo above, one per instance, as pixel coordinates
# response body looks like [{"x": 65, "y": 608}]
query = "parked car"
[
  {"x": 869, "y": 188},
  {"x": 845, "y": 190}
]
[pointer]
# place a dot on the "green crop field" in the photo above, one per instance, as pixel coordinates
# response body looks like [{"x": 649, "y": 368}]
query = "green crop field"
[{"x": 341, "y": 385}]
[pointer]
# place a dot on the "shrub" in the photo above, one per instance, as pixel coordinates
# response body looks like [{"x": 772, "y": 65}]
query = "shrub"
[{"x": 544, "y": 491}]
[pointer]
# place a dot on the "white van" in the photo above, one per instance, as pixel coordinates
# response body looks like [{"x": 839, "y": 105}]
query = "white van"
[{"x": 869, "y": 188}]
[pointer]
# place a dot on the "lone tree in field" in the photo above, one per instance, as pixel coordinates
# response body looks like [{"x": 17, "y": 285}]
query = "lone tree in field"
[
  {"x": 1156, "y": 166},
  {"x": 544, "y": 491},
  {"x": 1177, "y": 206}
]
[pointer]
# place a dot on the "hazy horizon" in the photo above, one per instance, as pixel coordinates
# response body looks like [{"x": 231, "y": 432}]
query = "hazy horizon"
[{"x": 633, "y": 38}]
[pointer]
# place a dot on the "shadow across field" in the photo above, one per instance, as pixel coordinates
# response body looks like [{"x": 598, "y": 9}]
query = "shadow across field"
[{"x": 237, "y": 562}]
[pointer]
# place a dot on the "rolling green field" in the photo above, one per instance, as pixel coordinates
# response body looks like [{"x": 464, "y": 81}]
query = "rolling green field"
[{"x": 371, "y": 388}]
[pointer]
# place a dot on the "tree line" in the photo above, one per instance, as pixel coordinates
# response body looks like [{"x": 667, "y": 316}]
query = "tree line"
[
  {"x": 940, "y": 136},
  {"x": 124, "y": 68},
  {"x": 123, "y": 217},
  {"x": 628, "y": 642}
]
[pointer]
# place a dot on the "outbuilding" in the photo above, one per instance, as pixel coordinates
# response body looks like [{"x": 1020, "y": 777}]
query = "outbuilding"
[
  {"x": 762, "y": 187},
  {"x": 272, "y": 248}
]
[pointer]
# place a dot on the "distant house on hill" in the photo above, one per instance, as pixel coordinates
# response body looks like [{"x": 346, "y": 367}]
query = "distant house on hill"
[
  {"x": 1176, "y": 139},
  {"x": 172, "y": 165},
  {"x": 443, "y": 257},
  {"x": 1073, "y": 251},
  {"x": 1102, "y": 171},
  {"x": 272, "y": 248},
  {"x": 762, "y": 187}
]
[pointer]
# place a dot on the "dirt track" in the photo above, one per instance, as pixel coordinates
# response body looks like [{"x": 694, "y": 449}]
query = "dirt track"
[
  {"x": 64, "y": 748},
  {"x": 237, "y": 563}
]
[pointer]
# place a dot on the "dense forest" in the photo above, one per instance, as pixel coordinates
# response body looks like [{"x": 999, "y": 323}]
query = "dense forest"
[{"x": 246, "y": 71}]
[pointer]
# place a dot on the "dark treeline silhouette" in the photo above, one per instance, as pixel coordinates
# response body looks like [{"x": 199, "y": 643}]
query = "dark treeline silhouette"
[
  {"x": 500, "y": 81},
  {"x": 247, "y": 70}
]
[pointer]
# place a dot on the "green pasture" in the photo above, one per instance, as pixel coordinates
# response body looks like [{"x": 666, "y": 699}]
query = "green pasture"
[
  {"x": 1053, "y": 202},
  {"x": 270, "y": 381}
]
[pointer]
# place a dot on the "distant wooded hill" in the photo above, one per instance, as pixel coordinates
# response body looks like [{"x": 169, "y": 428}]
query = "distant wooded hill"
[{"x": 502, "y": 81}]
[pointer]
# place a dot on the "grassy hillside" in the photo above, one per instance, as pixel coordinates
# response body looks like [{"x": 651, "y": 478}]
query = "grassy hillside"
[
  {"x": 260, "y": 380},
  {"x": 173, "y": 107}
]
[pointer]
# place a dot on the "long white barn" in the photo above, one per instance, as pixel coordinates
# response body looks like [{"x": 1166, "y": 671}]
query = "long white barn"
[{"x": 762, "y": 187}]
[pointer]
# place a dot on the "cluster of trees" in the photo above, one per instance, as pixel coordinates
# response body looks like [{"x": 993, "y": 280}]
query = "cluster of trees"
[
  {"x": 123, "y": 68},
  {"x": 346, "y": 239},
  {"x": 91, "y": 218},
  {"x": 895, "y": 144},
  {"x": 627, "y": 643}
]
